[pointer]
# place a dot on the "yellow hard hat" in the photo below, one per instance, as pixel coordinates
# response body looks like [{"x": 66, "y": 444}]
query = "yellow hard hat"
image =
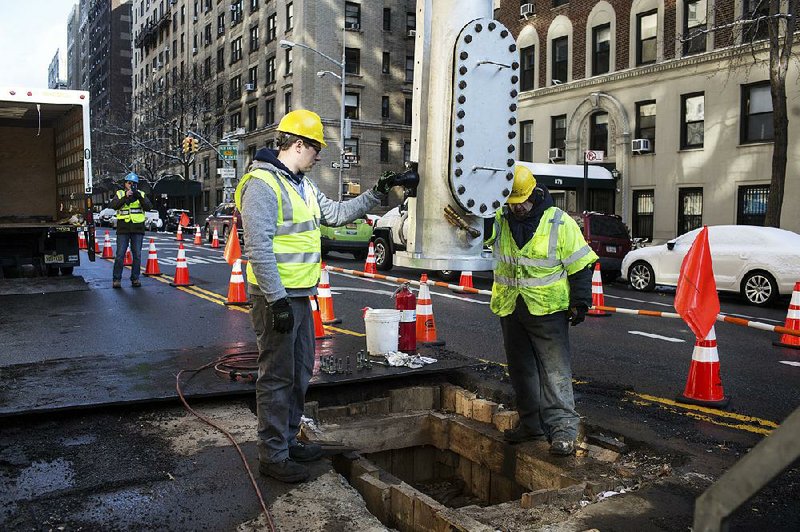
[
  {"x": 524, "y": 183},
  {"x": 303, "y": 123}
]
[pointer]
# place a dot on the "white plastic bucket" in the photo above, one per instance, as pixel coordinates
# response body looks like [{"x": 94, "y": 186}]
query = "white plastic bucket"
[{"x": 382, "y": 330}]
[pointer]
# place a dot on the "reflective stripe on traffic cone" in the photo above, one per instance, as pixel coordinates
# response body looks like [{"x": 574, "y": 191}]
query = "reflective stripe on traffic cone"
[
  {"x": 426, "y": 326},
  {"x": 597, "y": 294},
  {"x": 152, "y": 267},
  {"x": 198, "y": 238},
  {"x": 704, "y": 385},
  {"x": 369, "y": 266},
  {"x": 181, "y": 269},
  {"x": 792, "y": 321},
  {"x": 96, "y": 244},
  {"x": 128, "y": 258},
  {"x": 81, "y": 240},
  {"x": 215, "y": 240},
  {"x": 319, "y": 329},
  {"x": 108, "y": 253},
  {"x": 325, "y": 297},
  {"x": 179, "y": 234},
  {"x": 237, "y": 295},
  {"x": 466, "y": 280}
]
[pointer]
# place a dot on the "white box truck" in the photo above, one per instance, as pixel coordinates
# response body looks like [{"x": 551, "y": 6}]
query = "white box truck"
[{"x": 45, "y": 180}]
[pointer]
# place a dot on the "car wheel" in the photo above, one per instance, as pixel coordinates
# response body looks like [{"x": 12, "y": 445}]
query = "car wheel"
[
  {"x": 759, "y": 288},
  {"x": 642, "y": 276},
  {"x": 383, "y": 254},
  {"x": 448, "y": 275}
]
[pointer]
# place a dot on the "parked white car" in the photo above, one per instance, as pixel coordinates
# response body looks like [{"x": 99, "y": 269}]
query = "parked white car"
[
  {"x": 105, "y": 217},
  {"x": 759, "y": 262}
]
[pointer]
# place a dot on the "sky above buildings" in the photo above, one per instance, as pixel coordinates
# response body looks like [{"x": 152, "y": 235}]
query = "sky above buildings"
[{"x": 30, "y": 33}]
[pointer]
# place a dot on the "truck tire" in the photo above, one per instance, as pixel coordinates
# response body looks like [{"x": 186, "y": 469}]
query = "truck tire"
[{"x": 383, "y": 254}]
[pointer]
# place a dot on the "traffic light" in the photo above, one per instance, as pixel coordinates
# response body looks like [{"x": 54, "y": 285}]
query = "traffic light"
[
  {"x": 187, "y": 144},
  {"x": 195, "y": 145}
]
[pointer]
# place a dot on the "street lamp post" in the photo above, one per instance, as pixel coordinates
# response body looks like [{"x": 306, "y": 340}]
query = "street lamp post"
[{"x": 341, "y": 64}]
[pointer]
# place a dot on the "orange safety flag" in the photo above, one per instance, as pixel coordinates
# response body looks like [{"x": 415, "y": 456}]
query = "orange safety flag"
[
  {"x": 233, "y": 251},
  {"x": 184, "y": 220},
  {"x": 696, "y": 298}
]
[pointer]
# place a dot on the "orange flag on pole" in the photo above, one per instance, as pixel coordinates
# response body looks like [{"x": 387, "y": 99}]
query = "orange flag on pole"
[
  {"x": 233, "y": 251},
  {"x": 696, "y": 298},
  {"x": 184, "y": 221}
]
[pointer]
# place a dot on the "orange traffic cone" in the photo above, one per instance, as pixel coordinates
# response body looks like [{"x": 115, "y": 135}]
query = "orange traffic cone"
[
  {"x": 215, "y": 240},
  {"x": 319, "y": 329},
  {"x": 108, "y": 253},
  {"x": 237, "y": 295},
  {"x": 81, "y": 240},
  {"x": 198, "y": 238},
  {"x": 704, "y": 385},
  {"x": 181, "y": 269},
  {"x": 466, "y": 280},
  {"x": 426, "y": 326},
  {"x": 96, "y": 244},
  {"x": 369, "y": 266},
  {"x": 792, "y": 321},
  {"x": 152, "y": 267},
  {"x": 179, "y": 234},
  {"x": 325, "y": 298},
  {"x": 597, "y": 294},
  {"x": 128, "y": 258}
]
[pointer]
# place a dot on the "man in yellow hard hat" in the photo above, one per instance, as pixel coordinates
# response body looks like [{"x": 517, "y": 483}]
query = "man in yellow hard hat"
[
  {"x": 542, "y": 283},
  {"x": 281, "y": 213}
]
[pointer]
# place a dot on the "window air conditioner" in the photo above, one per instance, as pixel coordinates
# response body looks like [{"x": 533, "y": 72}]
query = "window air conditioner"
[
  {"x": 412, "y": 33},
  {"x": 194, "y": 50},
  {"x": 526, "y": 10},
  {"x": 640, "y": 146},
  {"x": 555, "y": 154},
  {"x": 220, "y": 30},
  {"x": 353, "y": 26},
  {"x": 250, "y": 87},
  {"x": 233, "y": 7},
  {"x": 194, "y": 18}
]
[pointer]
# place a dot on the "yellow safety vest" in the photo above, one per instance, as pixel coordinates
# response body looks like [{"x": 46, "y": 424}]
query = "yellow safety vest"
[
  {"x": 130, "y": 212},
  {"x": 538, "y": 272},
  {"x": 297, "y": 245}
]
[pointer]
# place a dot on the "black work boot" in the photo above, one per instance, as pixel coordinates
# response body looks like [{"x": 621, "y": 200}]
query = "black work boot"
[
  {"x": 305, "y": 452},
  {"x": 286, "y": 471},
  {"x": 562, "y": 447},
  {"x": 522, "y": 434}
]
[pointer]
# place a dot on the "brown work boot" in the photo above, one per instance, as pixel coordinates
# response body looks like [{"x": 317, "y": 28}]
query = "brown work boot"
[
  {"x": 116, "y": 284},
  {"x": 286, "y": 471},
  {"x": 305, "y": 451},
  {"x": 136, "y": 283}
]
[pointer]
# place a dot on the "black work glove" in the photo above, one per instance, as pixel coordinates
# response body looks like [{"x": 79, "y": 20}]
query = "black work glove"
[
  {"x": 282, "y": 318},
  {"x": 385, "y": 183},
  {"x": 577, "y": 314},
  {"x": 408, "y": 179}
]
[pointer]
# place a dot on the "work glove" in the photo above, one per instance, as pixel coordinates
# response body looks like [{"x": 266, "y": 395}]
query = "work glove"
[
  {"x": 577, "y": 314},
  {"x": 282, "y": 318},
  {"x": 408, "y": 179}
]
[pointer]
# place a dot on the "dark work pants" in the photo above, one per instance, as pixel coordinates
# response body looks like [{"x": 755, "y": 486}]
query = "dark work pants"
[
  {"x": 135, "y": 240},
  {"x": 537, "y": 350},
  {"x": 285, "y": 366}
]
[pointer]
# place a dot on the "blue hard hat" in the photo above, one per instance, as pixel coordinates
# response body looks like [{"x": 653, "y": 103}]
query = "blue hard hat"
[{"x": 132, "y": 177}]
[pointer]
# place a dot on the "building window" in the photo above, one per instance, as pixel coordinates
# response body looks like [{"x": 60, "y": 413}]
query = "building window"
[
  {"x": 643, "y": 207},
  {"x": 406, "y": 151},
  {"x": 352, "y": 60},
  {"x": 756, "y": 11},
  {"x": 756, "y": 120},
  {"x": 560, "y": 60},
  {"x": 384, "y": 150},
  {"x": 220, "y": 95},
  {"x": 351, "y": 100},
  {"x": 352, "y": 15},
  {"x": 206, "y": 196},
  {"x": 236, "y": 121},
  {"x": 384, "y": 107},
  {"x": 558, "y": 131},
  {"x": 252, "y": 76},
  {"x": 272, "y": 27},
  {"x": 409, "y": 68},
  {"x": 288, "y": 61},
  {"x": 411, "y": 22},
  {"x": 253, "y": 5},
  {"x": 287, "y": 102},
  {"x": 269, "y": 112},
  {"x": 207, "y": 68},
  {"x": 752, "y": 204},
  {"x": 220, "y": 23},
  {"x": 219, "y": 196},
  {"x": 646, "y": 34},
  {"x": 526, "y": 140},
  {"x": 694, "y": 27},
  {"x": 408, "y": 112},
  {"x": 289, "y": 16},
  {"x": 220, "y": 59},
  {"x": 236, "y": 50},
  {"x": 692, "y": 120},
  {"x": 254, "y": 38},
  {"x": 601, "y": 49},
  {"x": 387, "y": 19},
  {"x": 557, "y": 3},
  {"x": 386, "y": 63},
  {"x": 206, "y": 168},
  {"x": 270, "y": 70},
  {"x": 351, "y": 146},
  {"x": 528, "y": 57},
  {"x": 646, "y": 122},
  {"x": 252, "y": 117},
  {"x": 690, "y": 209},
  {"x": 598, "y": 134},
  {"x": 236, "y": 87}
]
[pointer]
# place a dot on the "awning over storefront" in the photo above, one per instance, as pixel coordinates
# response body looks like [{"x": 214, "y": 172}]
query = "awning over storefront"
[
  {"x": 569, "y": 176},
  {"x": 175, "y": 186}
]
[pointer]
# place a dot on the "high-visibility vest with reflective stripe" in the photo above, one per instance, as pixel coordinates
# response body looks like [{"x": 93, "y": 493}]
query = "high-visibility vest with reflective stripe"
[
  {"x": 297, "y": 244},
  {"x": 538, "y": 272},
  {"x": 130, "y": 212}
]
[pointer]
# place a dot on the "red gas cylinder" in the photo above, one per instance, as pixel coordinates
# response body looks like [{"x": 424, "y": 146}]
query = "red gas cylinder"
[{"x": 406, "y": 302}]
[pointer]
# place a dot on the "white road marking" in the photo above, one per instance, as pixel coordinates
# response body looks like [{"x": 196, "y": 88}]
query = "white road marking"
[
  {"x": 388, "y": 292},
  {"x": 657, "y": 336},
  {"x": 634, "y": 300},
  {"x": 790, "y": 363}
]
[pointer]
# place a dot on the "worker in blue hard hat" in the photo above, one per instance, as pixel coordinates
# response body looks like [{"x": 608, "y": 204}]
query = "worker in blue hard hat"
[{"x": 130, "y": 204}]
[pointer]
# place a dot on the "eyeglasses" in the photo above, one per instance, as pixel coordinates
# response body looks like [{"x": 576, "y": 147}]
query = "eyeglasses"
[{"x": 316, "y": 147}]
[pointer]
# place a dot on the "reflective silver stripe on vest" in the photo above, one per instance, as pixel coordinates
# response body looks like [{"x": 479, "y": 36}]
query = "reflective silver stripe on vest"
[
  {"x": 303, "y": 258},
  {"x": 585, "y": 250},
  {"x": 286, "y": 202},
  {"x": 135, "y": 211},
  {"x": 556, "y": 221},
  {"x": 525, "y": 261},
  {"x": 301, "y": 227},
  {"x": 534, "y": 281}
]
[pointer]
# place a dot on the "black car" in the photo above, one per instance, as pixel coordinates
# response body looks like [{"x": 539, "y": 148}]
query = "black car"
[{"x": 174, "y": 219}]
